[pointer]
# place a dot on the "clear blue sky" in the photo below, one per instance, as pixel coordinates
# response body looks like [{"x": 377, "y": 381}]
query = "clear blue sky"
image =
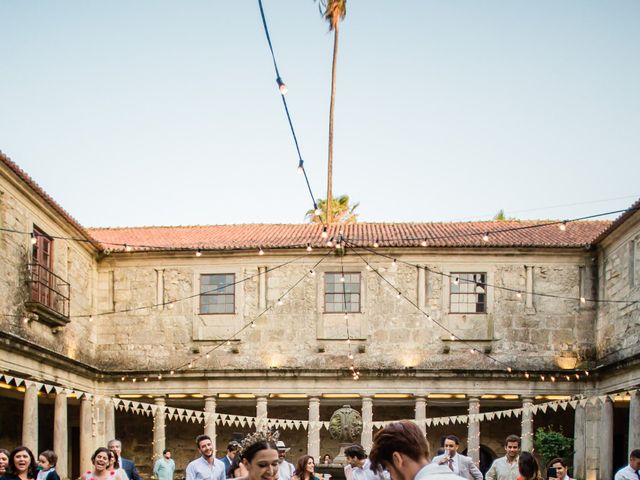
[{"x": 154, "y": 112}]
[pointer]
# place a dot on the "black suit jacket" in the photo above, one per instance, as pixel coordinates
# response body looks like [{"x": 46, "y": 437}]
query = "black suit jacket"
[{"x": 130, "y": 468}]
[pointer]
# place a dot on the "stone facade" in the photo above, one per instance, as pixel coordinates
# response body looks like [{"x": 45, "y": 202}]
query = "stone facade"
[{"x": 146, "y": 320}]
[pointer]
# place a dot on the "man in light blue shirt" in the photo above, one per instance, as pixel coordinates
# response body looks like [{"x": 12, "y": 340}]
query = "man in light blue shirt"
[
  {"x": 631, "y": 471},
  {"x": 207, "y": 467},
  {"x": 164, "y": 467}
]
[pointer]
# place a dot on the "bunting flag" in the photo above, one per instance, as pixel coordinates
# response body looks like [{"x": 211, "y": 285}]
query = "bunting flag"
[{"x": 193, "y": 416}]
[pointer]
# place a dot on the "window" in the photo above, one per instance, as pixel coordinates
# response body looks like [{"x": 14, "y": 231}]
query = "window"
[
  {"x": 217, "y": 293},
  {"x": 341, "y": 292},
  {"x": 468, "y": 293}
]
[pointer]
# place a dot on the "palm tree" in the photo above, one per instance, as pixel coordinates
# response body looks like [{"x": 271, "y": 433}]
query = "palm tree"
[
  {"x": 333, "y": 11},
  {"x": 342, "y": 212}
]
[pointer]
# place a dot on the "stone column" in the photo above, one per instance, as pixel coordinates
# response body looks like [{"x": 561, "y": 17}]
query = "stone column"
[
  {"x": 634, "y": 421},
  {"x": 526, "y": 432},
  {"x": 606, "y": 441},
  {"x": 421, "y": 412},
  {"x": 61, "y": 434},
  {"x": 209, "y": 419},
  {"x": 30, "y": 418},
  {"x": 313, "y": 441},
  {"x": 579, "y": 443},
  {"x": 86, "y": 434},
  {"x": 159, "y": 439},
  {"x": 366, "y": 439},
  {"x": 261, "y": 412},
  {"x": 109, "y": 420},
  {"x": 473, "y": 435}
]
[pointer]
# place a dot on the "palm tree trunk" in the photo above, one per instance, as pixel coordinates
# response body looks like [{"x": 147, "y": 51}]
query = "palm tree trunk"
[{"x": 333, "y": 98}]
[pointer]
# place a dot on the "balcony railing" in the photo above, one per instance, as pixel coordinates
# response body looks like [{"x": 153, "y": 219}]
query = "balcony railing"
[{"x": 48, "y": 294}]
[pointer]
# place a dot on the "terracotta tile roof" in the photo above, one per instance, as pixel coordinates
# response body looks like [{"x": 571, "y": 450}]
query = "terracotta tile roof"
[
  {"x": 253, "y": 236},
  {"x": 619, "y": 221},
  {"x": 22, "y": 175}
]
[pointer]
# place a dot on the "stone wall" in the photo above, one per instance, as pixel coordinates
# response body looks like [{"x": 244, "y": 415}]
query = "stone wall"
[
  {"x": 74, "y": 262},
  {"x": 297, "y": 334},
  {"x": 618, "y": 329}
]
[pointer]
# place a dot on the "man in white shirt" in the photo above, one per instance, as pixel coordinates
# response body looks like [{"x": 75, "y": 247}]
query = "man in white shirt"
[
  {"x": 207, "y": 467},
  {"x": 562, "y": 470},
  {"x": 631, "y": 471},
  {"x": 360, "y": 464},
  {"x": 506, "y": 468},
  {"x": 457, "y": 463},
  {"x": 285, "y": 470},
  {"x": 401, "y": 449}
]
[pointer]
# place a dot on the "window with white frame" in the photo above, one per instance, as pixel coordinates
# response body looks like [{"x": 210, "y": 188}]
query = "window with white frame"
[
  {"x": 468, "y": 292},
  {"x": 342, "y": 292},
  {"x": 217, "y": 293}
]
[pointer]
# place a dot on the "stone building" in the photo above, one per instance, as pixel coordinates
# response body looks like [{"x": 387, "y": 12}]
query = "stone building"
[{"x": 441, "y": 320}]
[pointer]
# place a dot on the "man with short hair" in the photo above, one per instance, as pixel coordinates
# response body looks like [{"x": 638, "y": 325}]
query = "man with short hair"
[
  {"x": 506, "y": 468},
  {"x": 631, "y": 471},
  {"x": 360, "y": 464},
  {"x": 285, "y": 470},
  {"x": 165, "y": 467},
  {"x": 401, "y": 449},
  {"x": 562, "y": 472},
  {"x": 207, "y": 467},
  {"x": 128, "y": 466},
  {"x": 232, "y": 451},
  {"x": 457, "y": 463}
]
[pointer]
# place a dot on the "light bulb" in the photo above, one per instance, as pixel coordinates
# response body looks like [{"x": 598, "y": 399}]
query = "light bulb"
[
  {"x": 568, "y": 378},
  {"x": 368, "y": 267},
  {"x": 228, "y": 342},
  {"x": 526, "y": 375},
  {"x": 172, "y": 372},
  {"x": 485, "y": 237},
  {"x": 375, "y": 243},
  {"x": 279, "y": 302},
  {"x": 338, "y": 246},
  {"x": 282, "y": 86},
  {"x": 312, "y": 273},
  {"x": 170, "y": 305},
  {"x": 586, "y": 372},
  {"x": 351, "y": 356},
  {"x": 342, "y": 278},
  {"x": 301, "y": 166},
  {"x": 453, "y": 337},
  {"x": 583, "y": 300},
  {"x": 472, "y": 350},
  {"x": 563, "y": 226},
  {"x": 318, "y": 212},
  {"x": 90, "y": 318},
  {"x": 509, "y": 369},
  {"x": 542, "y": 377},
  {"x": 329, "y": 243},
  {"x": 399, "y": 294},
  {"x": 122, "y": 378},
  {"x": 127, "y": 248},
  {"x": 309, "y": 248},
  {"x": 324, "y": 233},
  {"x": 456, "y": 281},
  {"x": 253, "y": 325},
  {"x": 133, "y": 380},
  {"x": 553, "y": 379},
  {"x": 146, "y": 379},
  {"x": 348, "y": 341},
  {"x": 208, "y": 356},
  {"x": 423, "y": 243},
  {"x": 260, "y": 252},
  {"x": 34, "y": 240},
  {"x": 198, "y": 253},
  {"x": 518, "y": 294},
  {"x": 346, "y": 316},
  {"x": 577, "y": 376},
  {"x": 159, "y": 376}
]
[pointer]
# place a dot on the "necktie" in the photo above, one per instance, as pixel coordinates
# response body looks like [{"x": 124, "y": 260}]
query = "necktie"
[{"x": 451, "y": 464}]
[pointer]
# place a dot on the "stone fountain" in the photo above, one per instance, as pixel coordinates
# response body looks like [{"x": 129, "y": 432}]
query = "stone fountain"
[{"x": 345, "y": 426}]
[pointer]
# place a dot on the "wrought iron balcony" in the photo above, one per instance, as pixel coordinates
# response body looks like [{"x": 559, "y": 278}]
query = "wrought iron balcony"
[{"x": 48, "y": 295}]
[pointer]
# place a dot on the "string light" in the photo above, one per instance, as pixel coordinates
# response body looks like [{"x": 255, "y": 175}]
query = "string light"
[
  {"x": 456, "y": 281},
  {"x": 312, "y": 272},
  {"x": 133, "y": 380},
  {"x": 198, "y": 253},
  {"x": 127, "y": 248},
  {"x": 563, "y": 226},
  {"x": 190, "y": 364},
  {"x": 324, "y": 233},
  {"x": 583, "y": 300},
  {"x": 301, "y": 167},
  {"x": 509, "y": 369},
  {"x": 317, "y": 211},
  {"x": 586, "y": 372},
  {"x": 159, "y": 376},
  {"x": 423, "y": 243},
  {"x": 122, "y": 378},
  {"x": 279, "y": 302},
  {"x": 283, "y": 90},
  {"x": 146, "y": 379},
  {"x": 542, "y": 377},
  {"x": 485, "y": 237},
  {"x": 518, "y": 294},
  {"x": 398, "y": 294},
  {"x": 34, "y": 240},
  {"x": 260, "y": 251},
  {"x": 228, "y": 342},
  {"x": 350, "y": 356},
  {"x": 375, "y": 243},
  {"x": 453, "y": 337},
  {"x": 252, "y": 324},
  {"x": 172, "y": 372},
  {"x": 170, "y": 305},
  {"x": 342, "y": 278},
  {"x": 90, "y": 318},
  {"x": 207, "y": 356},
  {"x": 329, "y": 243},
  {"x": 526, "y": 375},
  {"x": 309, "y": 248}
]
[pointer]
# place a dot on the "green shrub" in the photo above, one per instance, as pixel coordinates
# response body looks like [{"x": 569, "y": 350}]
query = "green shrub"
[{"x": 550, "y": 444}]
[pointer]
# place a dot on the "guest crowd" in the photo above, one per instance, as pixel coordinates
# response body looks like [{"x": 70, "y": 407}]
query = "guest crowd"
[{"x": 399, "y": 452}]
